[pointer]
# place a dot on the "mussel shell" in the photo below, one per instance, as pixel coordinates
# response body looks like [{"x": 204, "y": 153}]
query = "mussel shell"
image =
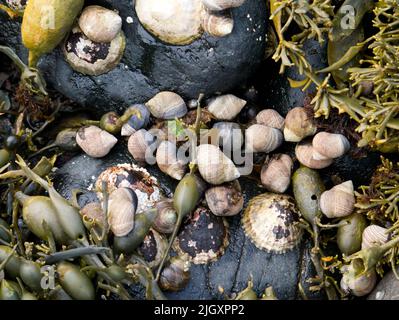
[
  {"x": 269, "y": 222},
  {"x": 204, "y": 237}
]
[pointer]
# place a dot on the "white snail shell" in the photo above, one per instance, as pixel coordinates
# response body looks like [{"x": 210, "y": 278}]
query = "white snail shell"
[
  {"x": 218, "y": 5},
  {"x": 304, "y": 152},
  {"x": 168, "y": 162},
  {"x": 339, "y": 201},
  {"x": 276, "y": 173},
  {"x": 100, "y": 24},
  {"x": 270, "y": 118},
  {"x": 217, "y": 25},
  {"x": 226, "y": 199},
  {"x": 298, "y": 125},
  {"x": 230, "y": 136},
  {"x": 259, "y": 138},
  {"x": 357, "y": 284},
  {"x": 139, "y": 143},
  {"x": 214, "y": 166},
  {"x": 176, "y": 22},
  {"x": 95, "y": 142},
  {"x": 122, "y": 205},
  {"x": 167, "y": 105},
  {"x": 373, "y": 236},
  {"x": 329, "y": 145},
  {"x": 226, "y": 107}
]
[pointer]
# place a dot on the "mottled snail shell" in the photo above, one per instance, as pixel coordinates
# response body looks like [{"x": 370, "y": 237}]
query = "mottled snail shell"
[
  {"x": 122, "y": 205},
  {"x": 226, "y": 107},
  {"x": 329, "y": 145},
  {"x": 204, "y": 237},
  {"x": 298, "y": 125},
  {"x": 153, "y": 248},
  {"x": 17, "y": 4},
  {"x": 355, "y": 283},
  {"x": 168, "y": 162},
  {"x": 270, "y": 118},
  {"x": 259, "y": 138},
  {"x": 218, "y": 5},
  {"x": 176, "y": 22},
  {"x": 100, "y": 24},
  {"x": 229, "y": 135},
  {"x": 93, "y": 58},
  {"x": 95, "y": 142},
  {"x": 217, "y": 25},
  {"x": 176, "y": 274},
  {"x": 269, "y": 222},
  {"x": 167, "y": 216},
  {"x": 374, "y": 236},
  {"x": 304, "y": 153},
  {"x": 225, "y": 200},
  {"x": 139, "y": 143},
  {"x": 214, "y": 166},
  {"x": 339, "y": 201},
  {"x": 276, "y": 173},
  {"x": 167, "y": 105}
]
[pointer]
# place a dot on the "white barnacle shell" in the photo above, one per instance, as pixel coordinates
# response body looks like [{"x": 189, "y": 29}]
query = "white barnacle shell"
[
  {"x": 214, "y": 166},
  {"x": 298, "y": 125},
  {"x": 373, "y": 236},
  {"x": 259, "y": 138},
  {"x": 167, "y": 105},
  {"x": 269, "y": 222},
  {"x": 226, "y": 107},
  {"x": 168, "y": 160},
  {"x": 131, "y": 176},
  {"x": 175, "y": 22},
  {"x": 90, "y": 57},
  {"x": 270, "y": 118},
  {"x": 329, "y": 145},
  {"x": 276, "y": 173},
  {"x": 218, "y": 5},
  {"x": 139, "y": 144},
  {"x": 217, "y": 25},
  {"x": 100, "y": 24},
  {"x": 122, "y": 205},
  {"x": 304, "y": 152},
  {"x": 339, "y": 201},
  {"x": 95, "y": 142}
]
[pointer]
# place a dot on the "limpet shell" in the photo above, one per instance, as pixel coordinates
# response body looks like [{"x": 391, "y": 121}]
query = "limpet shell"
[
  {"x": 204, "y": 237},
  {"x": 269, "y": 222},
  {"x": 134, "y": 177}
]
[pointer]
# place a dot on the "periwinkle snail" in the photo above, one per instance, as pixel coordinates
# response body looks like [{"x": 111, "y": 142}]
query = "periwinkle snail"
[
  {"x": 167, "y": 216},
  {"x": 226, "y": 107},
  {"x": 260, "y": 138},
  {"x": 94, "y": 141},
  {"x": 298, "y": 125},
  {"x": 276, "y": 173},
  {"x": 226, "y": 199},
  {"x": 167, "y": 105},
  {"x": 339, "y": 201},
  {"x": 153, "y": 248},
  {"x": 176, "y": 274},
  {"x": 270, "y": 118}
]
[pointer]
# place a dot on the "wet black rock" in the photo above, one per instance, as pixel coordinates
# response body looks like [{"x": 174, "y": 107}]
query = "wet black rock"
[
  {"x": 387, "y": 288},
  {"x": 208, "y": 65},
  {"x": 241, "y": 259}
]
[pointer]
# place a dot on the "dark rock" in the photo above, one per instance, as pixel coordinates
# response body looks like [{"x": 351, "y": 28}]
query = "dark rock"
[
  {"x": 387, "y": 288},
  {"x": 241, "y": 259},
  {"x": 208, "y": 65}
]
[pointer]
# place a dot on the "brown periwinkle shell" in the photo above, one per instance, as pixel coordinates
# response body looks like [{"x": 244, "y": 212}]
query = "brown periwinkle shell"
[
  {"x": 176, "y": 274},
  {"x": 204, "y": 237},
  {"x": 276, "y": 173},
  {"x": 225, "y": 200},
  {"x": 167, "y": 216},
  {"x": 153, "y": 248}
]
